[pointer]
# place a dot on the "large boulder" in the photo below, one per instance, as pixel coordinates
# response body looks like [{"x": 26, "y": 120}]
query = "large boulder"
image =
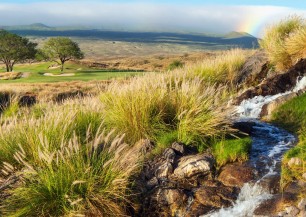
[
  {"x": 254, "y": 70},
  {"x": 192, "y": 165},
  {"x": 236, "y": 174}
]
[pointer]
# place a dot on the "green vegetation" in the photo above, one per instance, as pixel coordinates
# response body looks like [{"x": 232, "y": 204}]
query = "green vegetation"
[
  {"x": 34, "y": 73},
  {"x": 292, "y": 116},
  {"x": 175, "y": 64},
  {"x": 14, "y": 48},
  {"x": 61, "y": 50},
  {"x": 186, "y": 101},
  {"x": 223, "y": 68},
  {"x": 68, "y": 164},
  {"x": 231, "y": 150},
  {"x": 285, "y": 42}
]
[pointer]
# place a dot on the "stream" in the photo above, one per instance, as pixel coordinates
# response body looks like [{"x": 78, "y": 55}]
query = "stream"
[{"x": 269, "y": 143}]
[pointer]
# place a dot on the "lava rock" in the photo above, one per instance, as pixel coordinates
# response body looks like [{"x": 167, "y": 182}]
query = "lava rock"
[
  {"x": 254, "y": 70},
  {"x": 236, "y": 174},
  {"x": 279, "y": 83}
]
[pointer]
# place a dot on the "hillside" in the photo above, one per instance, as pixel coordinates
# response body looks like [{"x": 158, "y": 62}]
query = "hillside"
[{"x": 207, "y": 41}]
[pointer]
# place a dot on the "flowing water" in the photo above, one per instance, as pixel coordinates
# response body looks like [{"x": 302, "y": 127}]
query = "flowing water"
[{"x": 268, "y": 146}]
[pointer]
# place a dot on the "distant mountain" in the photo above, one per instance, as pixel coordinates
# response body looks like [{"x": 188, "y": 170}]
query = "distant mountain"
[
  {"x": 34, "y": 26},
  {"x": 207, "y": 41},
  {"x": 237, "y": 35}
]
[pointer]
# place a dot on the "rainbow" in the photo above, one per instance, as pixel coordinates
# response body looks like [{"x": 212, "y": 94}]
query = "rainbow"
[{"x": 254, "y": 24}]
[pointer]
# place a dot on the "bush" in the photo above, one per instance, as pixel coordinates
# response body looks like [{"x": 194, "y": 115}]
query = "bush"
[
  {"x": 231, "y": 150},
  {"x": 175, "y": 64},
  {"x": 78, "y": 179},
  {"x": 279, "y": 37}
]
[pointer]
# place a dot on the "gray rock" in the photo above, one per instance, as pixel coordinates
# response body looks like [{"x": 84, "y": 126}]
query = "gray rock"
[
  {"x": 179, "y": 147},
  {"x": 295, "y": 161},
  {"x": 164, "y": 170},
  {"x": 302, "y": 204},
  {"x": 152, "y": 183},
  {"x": 169, "y": 155},
  {"x": 292, "y": 211},
  {"x": 189, "y": 166}
]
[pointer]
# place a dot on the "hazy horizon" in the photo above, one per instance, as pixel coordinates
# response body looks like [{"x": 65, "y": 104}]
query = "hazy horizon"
[{"x": 152, "y": 15}]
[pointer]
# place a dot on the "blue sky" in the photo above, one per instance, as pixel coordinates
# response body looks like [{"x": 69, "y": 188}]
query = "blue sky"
[
  {"x": 287, "y": 3},
  {"x": 219, "y": 16}
]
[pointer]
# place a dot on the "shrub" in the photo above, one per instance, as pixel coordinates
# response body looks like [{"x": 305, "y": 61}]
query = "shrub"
[
  {"x": 78, "y": 179},
  {"x": 175, "y": 64},
  {"x": 277, "y": 40}
]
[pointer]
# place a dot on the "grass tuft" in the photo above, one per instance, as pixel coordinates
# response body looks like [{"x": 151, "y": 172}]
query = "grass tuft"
[
  {"x": 282, "y": 42},
  {"x": 231, "y": 150}
]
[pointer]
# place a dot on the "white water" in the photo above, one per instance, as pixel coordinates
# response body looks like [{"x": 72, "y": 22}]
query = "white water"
[
  {"x": 251, "y": 108},
  {"x": 268, "y": 141}
]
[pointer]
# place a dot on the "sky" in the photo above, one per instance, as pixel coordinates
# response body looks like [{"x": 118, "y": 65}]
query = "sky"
[{"x": 197, "y": 16}]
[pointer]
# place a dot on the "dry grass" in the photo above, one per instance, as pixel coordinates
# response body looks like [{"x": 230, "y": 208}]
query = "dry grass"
[
  {"x": 296, "y": 44},
  {"x": 186, "y": 101},
  {"x": 277, "y": 40}
]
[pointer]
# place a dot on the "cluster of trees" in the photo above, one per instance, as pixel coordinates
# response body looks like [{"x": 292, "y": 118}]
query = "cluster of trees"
[{"x": 16, "y": 49}]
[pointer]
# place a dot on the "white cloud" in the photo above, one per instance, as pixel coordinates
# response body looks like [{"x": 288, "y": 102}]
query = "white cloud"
[{"x": 145, "y": 16}]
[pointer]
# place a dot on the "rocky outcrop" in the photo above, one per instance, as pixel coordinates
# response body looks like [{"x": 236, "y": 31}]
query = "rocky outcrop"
[
  {"x": 255, "y": 69},
  {"x": 277, "y": 84},
  {"x": 182, "y": 182}
]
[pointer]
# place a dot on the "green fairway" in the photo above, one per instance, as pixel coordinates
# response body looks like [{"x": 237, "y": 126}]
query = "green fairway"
[{"x": 34, "y": 73}]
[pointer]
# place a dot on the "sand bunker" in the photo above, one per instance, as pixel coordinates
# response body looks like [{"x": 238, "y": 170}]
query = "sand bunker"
[{"x": 60, "y": 75}]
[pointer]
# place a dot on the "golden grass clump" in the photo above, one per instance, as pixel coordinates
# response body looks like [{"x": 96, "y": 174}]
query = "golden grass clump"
[
  {"x": 223, "y": 68},
  {"x": 156, "y": 104},
  {"x": 296, "y": 44},
  {"x": 77, "y": 179},
  {"x": 279, "y": 39}
]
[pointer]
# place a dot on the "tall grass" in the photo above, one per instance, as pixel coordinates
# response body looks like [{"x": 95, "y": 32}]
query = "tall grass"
[
  {"x": 57, "y": 125},
  {"x": 185, "y": 102},
  {"x": 281, "y": 40},
  {"x": 296, "y": 44},
  {"x": 158, "y": 104},
  {"x": 77, "y": 179},
  {"x": 222, "y": 69}
]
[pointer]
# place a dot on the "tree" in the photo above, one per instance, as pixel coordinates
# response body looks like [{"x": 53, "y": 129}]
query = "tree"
[
  {"x": 62, "y": 49},
  {"x": 14, "y": 48}
]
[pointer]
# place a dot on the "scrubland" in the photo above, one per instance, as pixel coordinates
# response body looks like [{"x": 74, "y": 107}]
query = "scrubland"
[{"x": 78, "y": 157}]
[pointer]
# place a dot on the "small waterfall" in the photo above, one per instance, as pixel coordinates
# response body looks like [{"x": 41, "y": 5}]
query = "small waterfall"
[
  {"x": 269, "y": 144},
  {"x": 251, "y": 108}
]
